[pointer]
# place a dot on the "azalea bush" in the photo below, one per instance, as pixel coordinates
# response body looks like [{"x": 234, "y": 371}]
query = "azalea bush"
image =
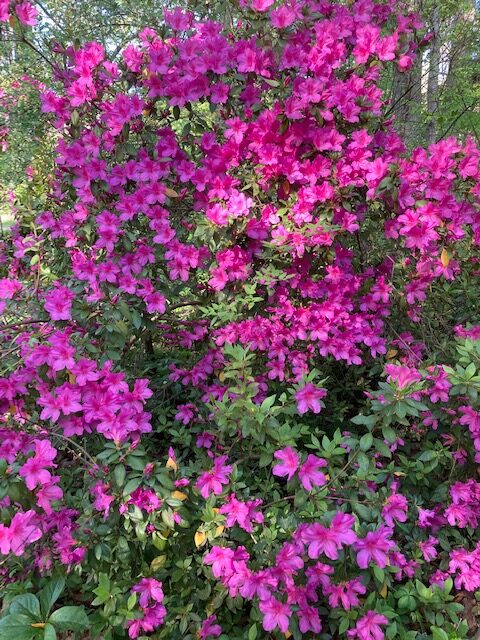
[{"x": 240, "y": 359}]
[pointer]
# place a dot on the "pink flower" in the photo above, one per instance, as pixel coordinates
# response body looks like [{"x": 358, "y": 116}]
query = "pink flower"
[
  {"x": 289, "y": 463},
  {"x": 212, "y": 481},
  {"x": 427, "y": 547},
  {"x": 58, "y": 303},
  {"x": 152, "y": 618},
  {"x": 374, "y": 548},
  {"x": 149, "y": 589},
  {"x": 27, "y": 13},
  {"x": 23, "y": 531},
  {"x": 309, "y": 473},
  {"x": 49, "y": 493},
  {"x": 328, "y": 540},
  {"x": 177, "y": 19},
  {"x": 308, "y": 619},
  {"x": 102, "y": 499},
  {"x": 395, "y": 508},
  {"x": 289, "y": 558},
  {"x": 185, "y": 414},
  {"x": 275, "y": 614},
  {"x": 204, "y": 439},
  {"x": 345, "y": 593},
  {"x": 282, "y": 17},
  {"x": 156, "y": 303},
  {"x": 35, "y": 469},
  {"x": 402, "y": 376},
  {"x": 308, "y": 397},
  {"x": 341, "y": 526},
  {"x": 221, "y": 559},
  {"x": 9, "y": 287},
  {"x": 85, "y": 371},
  {"x": 368, "y": 627},
  {"x": 242, "y": 513},
  {"x": 262, "y": 5},
  {"x": 210, "y": 629},
  {"x": 4, "y": 539}
]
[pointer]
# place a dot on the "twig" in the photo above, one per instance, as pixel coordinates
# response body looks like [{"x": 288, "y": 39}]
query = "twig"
[
  {"x": 37, "y": 51},
  {"x": 14, "y": 325},
  {"x": 192, "y": 303}
]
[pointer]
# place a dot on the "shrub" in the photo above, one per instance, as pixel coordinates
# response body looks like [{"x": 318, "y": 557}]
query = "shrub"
[{"x": 233, "y": 403}]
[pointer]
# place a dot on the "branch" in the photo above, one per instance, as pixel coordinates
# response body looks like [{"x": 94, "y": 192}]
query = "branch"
[
  {"x": 453, "y": 123},
  {"x": 14, "y": 325},
  {"x": 37, "y": 51}
]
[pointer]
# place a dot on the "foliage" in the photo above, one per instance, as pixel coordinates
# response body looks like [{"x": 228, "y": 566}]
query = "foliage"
[
  {"x": 31, "y": 617},
  {"x": 239, "y": 398}
]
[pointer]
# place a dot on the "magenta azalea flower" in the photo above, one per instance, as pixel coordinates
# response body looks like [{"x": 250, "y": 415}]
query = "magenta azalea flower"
[
  {"x": 309, "y": 473},
  {"x": 368, "y": 627},
  {"x": 149, "y": 589},
  {"x": 23, "y": 530},
  {"x": 58, "y": 303},
  {"x": 275, "y": 614},
  {"x": 210, "y": 629},
  {"x": 395, "y": 508},
  {"x": 308, "y": 398},
  {"x": 289, "y": 461},
  {"x": 427, "y": 548},
  {"x": 211, "y": 481},
  {"x": 374, "y": 548},
  {"x": 402, "y": 376},
  {"x": 27, "y": 13},
  {"x": 34, "y": 471},
  {"x": 262, "y": 5}
]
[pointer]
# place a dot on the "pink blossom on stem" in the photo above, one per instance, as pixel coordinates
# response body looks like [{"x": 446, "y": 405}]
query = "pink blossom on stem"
[
  {"x": 368, "y": 627},
  {"x": 289, "y": 461},
  {"x": 211, "y": 481},
  {"x": 309, "y": 473},
  {"x": 309, "y": 397}
]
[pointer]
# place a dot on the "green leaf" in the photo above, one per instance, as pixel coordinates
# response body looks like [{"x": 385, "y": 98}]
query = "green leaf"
[
  {"x": 391, "y": 631},
  {"x": 131, "y": 485},
  {"x": 344, "y": 624},
  {"x": 70, "y": 619},
  {"x": 389, "y": 434},
  {"x": 382, "y": 448},
  {"x": 50, "y": 594},
  {"x": 379, "y": 574},
  {"x": 363, "y": 462},
  {"x": 49, "y": 632},
  {"x": 426, "y": 456},
  {"x": 252, "y": 632},
  {"x": 119, "y": 475},
  {"x": 447, "y": 586},
  {"x": 366, "y": 442},
  {"x": 136, "y": 463},
  {"x": 265, "y": 459},
  {"x": 368, "y": 421},
  {"x": 470, "y": 371},
  {"x": 132, "y": 601},
  {"x": 28, "y": 605},
  {"x": 268, "y": 403},
  {"x": 438, "y": 634},
  {"x": 17, "y": 627}
]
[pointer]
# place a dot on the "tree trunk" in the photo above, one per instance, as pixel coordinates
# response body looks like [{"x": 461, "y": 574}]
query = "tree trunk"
[
  {"x": 406, "y": 96},
  {"x": 433, "y": 77}
]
